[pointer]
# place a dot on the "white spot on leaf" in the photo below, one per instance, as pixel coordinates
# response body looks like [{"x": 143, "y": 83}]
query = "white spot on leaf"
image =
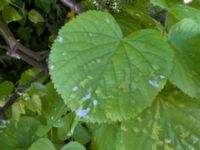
[
  {"x": 52, "y": 67},
  {"x": 95, "y": 102},
  {"x": 87, "y": 96},
  {"x": 162, "y": 77},
  {"x": 82, "y": 113},
  {"x": 154, "y": 83},
  {"x": 75, "y": 88},
  {"x": 60, "y": 39}
]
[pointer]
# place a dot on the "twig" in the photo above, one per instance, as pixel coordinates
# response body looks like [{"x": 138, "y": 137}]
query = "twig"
[
  {"x": 13, "y": 97},
  {"x": 4, "y": 47},
  {"x": 19, "y": 51}
]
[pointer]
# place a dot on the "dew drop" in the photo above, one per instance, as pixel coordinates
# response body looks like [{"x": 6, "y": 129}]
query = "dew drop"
[
  {"x": 60, "y": 39},
  {"x": 87, "y": 96},
  {"x": 82, "y": 112},
  {"x": 162, "y": 77},
  {"x": 52, "y": 67},
  {"x": 95, "y": 102},
  {"x": 75, "y": 88},
  {"x": 154, "y": 83}
]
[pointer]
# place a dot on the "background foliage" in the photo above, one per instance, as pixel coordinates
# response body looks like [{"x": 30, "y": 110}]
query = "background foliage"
[{"x": 123, "y": 74}]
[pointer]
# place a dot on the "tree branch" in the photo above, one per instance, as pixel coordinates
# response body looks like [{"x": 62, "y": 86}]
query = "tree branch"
[
  {"x": 13, "y": 97},
  {"x": 19, "y": 51}
]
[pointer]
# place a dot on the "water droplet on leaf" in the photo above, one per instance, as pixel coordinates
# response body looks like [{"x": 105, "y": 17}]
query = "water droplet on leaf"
[
  {"x": 75, "y": 88},
  {"x": 82, "y": 112},
  {"x": 154, "y": 83},
  {"x": 162, "y": 77},
  {"x": 52, "y": 67},
  {"x": 87, "y": 96},
  {"x": 60, "y": 39},
  {"x": 95, "y": 102}
]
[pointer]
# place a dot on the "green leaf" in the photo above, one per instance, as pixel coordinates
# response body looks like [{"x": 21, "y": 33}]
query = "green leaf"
[
  {"x": 45, "y": 4},
  {"x": 185, "y": 39},
  {"x": 18, "y": 109},
  {"x": 64, "y": 131},
  {"x": 73, "y": 146},
  {"x": 101, "y": 75},
  {"x": 54, "y": 109},
  {"x": 10, "y": 14},
  {"x": 19, "y": 136},
  {"x": 43, "y": 144},
  {"x": 166, "y": 3},
  {"x": 127, "y": 23},
  {"x": 43, "y": 130},
  {"x": 6, "y": 88},
  {"x": 181, "y": 12},
  {"x": 34, "y": 104},
  {"x": 171, "y": 123},
  {"x": 28, "y": 75},
  {"x": 3, "y": 3},
  {"x": 35, "y": 16},
  {"x": 81, "y": 134}
]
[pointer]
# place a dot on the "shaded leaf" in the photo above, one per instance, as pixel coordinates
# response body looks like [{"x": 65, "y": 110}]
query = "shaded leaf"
[
  {"x": 185, "y": 38},
  {"x": 6, "y": 88},
  {"x": 10, "y": 14},
  {"x": 81, "y": 134}
]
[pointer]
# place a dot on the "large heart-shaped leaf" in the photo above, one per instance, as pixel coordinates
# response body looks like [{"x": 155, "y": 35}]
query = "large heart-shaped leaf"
[
  {"x": 185, "y": 38},
  {"x": 171, "y": 123},
  {"x": 100, "y": 74}
]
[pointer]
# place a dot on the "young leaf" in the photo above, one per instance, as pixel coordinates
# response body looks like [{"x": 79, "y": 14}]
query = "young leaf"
[
  {"x": 101, "y": 75},
  {"x": 35, "y": 16},
  {"x": 6, "y": 88},
  {"x": 81, "y": 134},
  {"x": 184, "y": 37},
  {"x": 10, "y": 14},
  {"x": 43, "y": 144}
]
